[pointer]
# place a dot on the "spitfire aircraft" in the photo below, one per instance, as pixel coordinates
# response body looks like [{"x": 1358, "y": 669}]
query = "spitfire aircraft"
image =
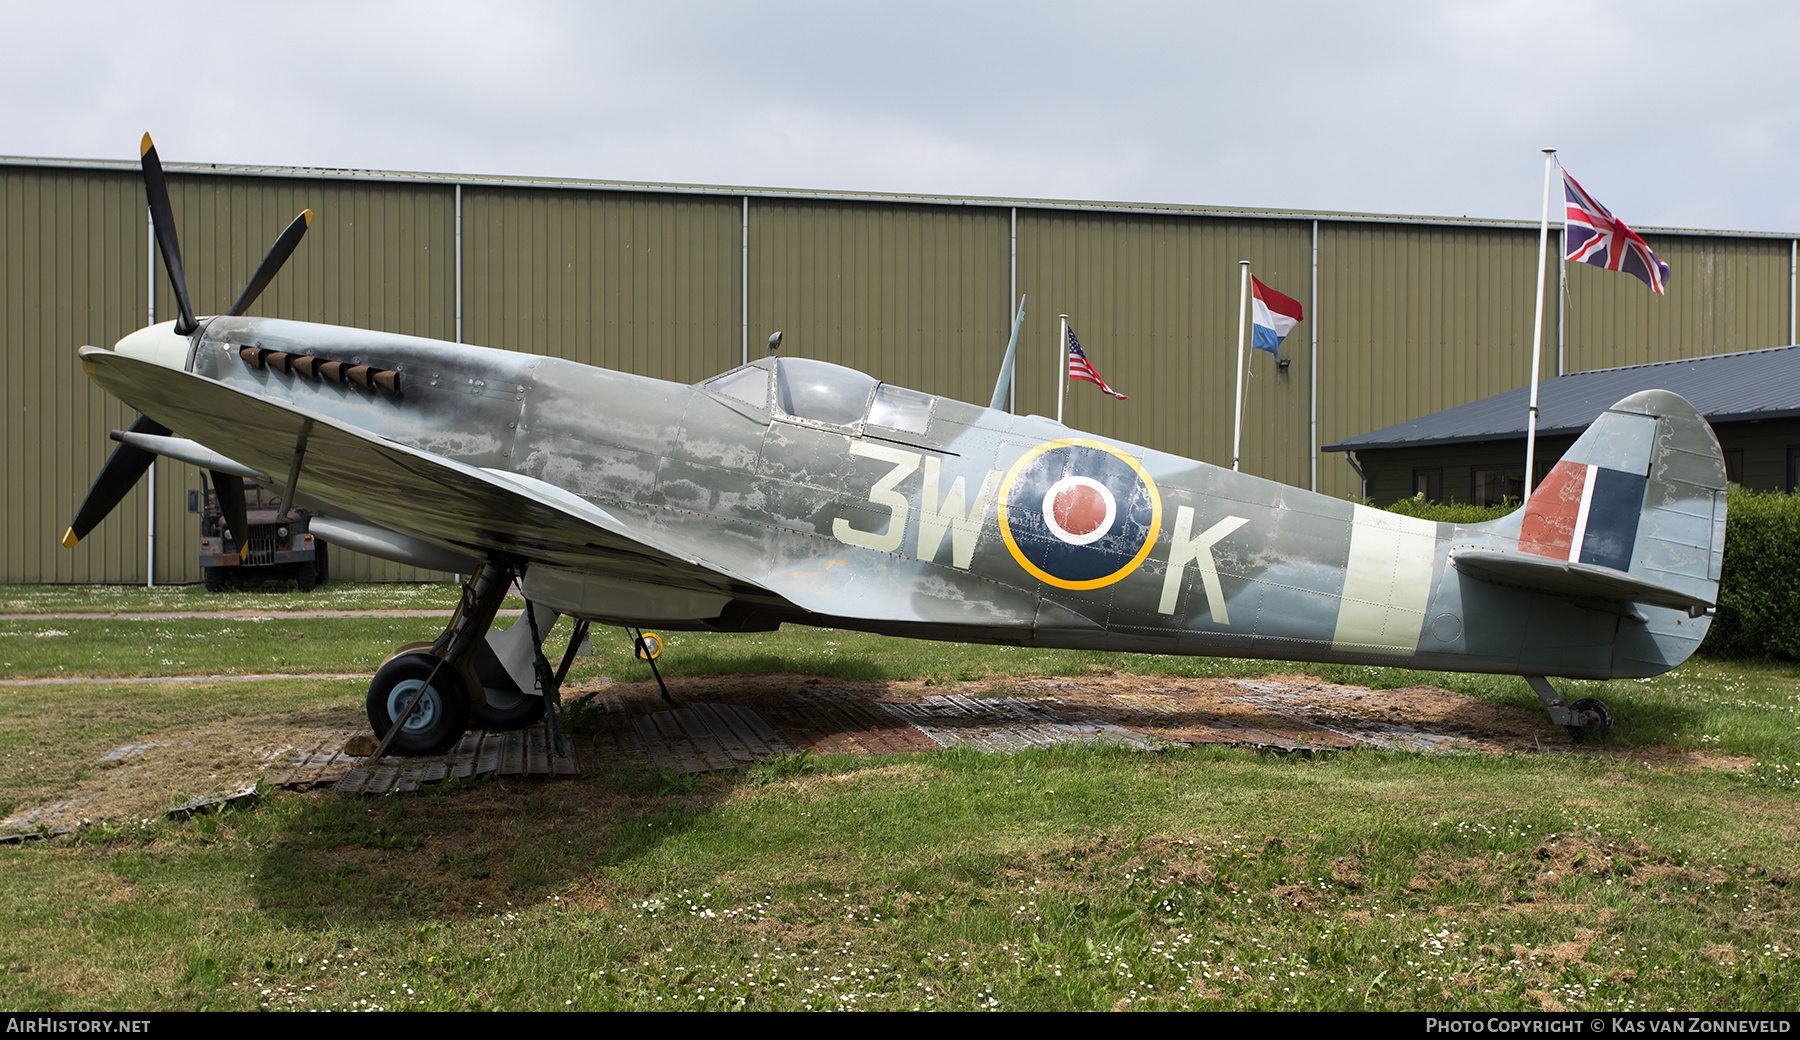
[{"x": 794, "y": 490}]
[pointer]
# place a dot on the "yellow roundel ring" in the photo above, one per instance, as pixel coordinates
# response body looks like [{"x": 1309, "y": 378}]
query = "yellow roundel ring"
[{"x": 1142, "y": 552}]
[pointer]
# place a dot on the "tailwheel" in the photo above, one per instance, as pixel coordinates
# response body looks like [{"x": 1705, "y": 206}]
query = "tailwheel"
[
  {"x": 1595, "y": 710},
  {"x": 442, "y": 712}
]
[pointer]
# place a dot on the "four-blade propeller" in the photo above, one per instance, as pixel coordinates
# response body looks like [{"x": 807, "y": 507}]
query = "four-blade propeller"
[{"x": 127, "y": 464}]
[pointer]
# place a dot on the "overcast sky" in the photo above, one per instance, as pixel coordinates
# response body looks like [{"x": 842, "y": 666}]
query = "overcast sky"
[{"x": 1672, "y": 114}]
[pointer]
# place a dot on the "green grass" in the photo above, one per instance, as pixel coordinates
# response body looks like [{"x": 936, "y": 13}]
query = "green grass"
[
  {"x": 1049, "y": 880},
  {"x": 110, "y": 599},
  {"x": 1077, "y": 878},
  {"x": 52, "y": 736},
  {"x": 114, "y": 647},
  {"x": 1730, "y": 707}
]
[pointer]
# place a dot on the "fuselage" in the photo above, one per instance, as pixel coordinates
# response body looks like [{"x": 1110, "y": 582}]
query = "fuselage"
[{"x": 822, "y": 496}]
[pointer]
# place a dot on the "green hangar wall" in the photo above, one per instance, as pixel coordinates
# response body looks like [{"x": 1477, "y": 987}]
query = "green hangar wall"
[{"x": 1410, "y": 315}]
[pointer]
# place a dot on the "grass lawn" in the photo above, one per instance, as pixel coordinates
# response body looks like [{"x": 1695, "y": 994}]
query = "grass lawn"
[{"x": 1078, "y": 878}]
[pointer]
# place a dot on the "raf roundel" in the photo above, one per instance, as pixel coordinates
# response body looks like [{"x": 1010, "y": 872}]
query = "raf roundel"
[
  {"x": 1079, "y": 514},
  {"x": 1080, "y": 510}
]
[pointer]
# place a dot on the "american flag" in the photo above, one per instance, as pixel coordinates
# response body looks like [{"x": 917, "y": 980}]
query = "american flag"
[
  {"x": 1081, "y": 368},
  {"x": 1597, "y": 237}
]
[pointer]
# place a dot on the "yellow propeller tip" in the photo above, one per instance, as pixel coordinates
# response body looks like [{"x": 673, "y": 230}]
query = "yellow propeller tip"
[
  {"x": 307, "y": 213},
  {"x": 69, "y": 539},
  {"x": 145, "y": 145}
]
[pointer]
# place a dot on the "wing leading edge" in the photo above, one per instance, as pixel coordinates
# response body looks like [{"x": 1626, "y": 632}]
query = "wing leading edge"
[{"x": 414, "y": 492}]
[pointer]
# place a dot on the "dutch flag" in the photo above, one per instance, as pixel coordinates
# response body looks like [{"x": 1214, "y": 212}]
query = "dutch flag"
[{"x": 1272, "y": 315}]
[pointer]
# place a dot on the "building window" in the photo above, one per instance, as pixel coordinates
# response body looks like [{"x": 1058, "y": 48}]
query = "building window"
[
  {"x": 1492, "y": 485},
  {"x": 1430, "y": 483}
]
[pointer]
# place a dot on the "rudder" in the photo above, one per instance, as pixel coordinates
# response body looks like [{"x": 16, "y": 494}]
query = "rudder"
[{"x": 1642, "y": 491}]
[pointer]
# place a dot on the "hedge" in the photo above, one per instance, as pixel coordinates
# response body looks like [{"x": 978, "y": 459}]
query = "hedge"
[{"x": 1759, "y": 590}]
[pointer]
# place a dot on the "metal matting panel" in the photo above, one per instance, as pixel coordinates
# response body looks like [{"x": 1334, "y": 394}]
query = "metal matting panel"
[
  {"x": 706, "y": 737},
  {"x": 524, "y": 752},
  {"x": 1008, "y": 724}
]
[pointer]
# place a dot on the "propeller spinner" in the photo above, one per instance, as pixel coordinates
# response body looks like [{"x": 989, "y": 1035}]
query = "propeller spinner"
[{"x": 166, "y": 343}]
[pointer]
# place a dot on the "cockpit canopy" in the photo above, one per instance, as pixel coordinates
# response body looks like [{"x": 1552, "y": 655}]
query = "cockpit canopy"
[{"x": 818, "y": 392}]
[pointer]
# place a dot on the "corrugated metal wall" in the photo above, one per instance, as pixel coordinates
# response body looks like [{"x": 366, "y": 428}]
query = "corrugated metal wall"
[
  {"x": 640, "y": 282},
  {"x": 1416, "y": 319},
  {"x": 913, "y": 294},
  {"x": 73, "y": 271},
  {"x": 1411, "y": 317},
  {"x": 1154, "y": 302},
  {"x": 1724, "y": 295}
]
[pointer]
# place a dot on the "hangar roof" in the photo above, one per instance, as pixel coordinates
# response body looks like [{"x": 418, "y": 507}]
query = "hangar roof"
[
  {"x": 1754, "y": 384},
  {"x": 132, "y": 168}
]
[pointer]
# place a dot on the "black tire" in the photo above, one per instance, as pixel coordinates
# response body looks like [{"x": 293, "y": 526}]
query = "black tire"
[
  {"x": 215, "y": 579},
  {"x": 1600, "y": 728},
  {"x": 321, "y": 560},
  {"x": 306, "y": 577},
  {"x": 442, "y": 714},
  {"x": 504, "y": 711},
  {"x": 506, "y": 707}
]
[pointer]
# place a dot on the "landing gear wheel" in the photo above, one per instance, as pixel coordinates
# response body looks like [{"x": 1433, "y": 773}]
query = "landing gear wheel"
[
  {"x": 504, "y": 711},
  {"x": 1602, "y": 724},
  {"x": 442, "y": 714},
  {"x": 507, "y": 707}
]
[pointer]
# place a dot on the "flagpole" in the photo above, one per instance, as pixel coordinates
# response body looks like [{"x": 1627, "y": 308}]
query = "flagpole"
[
  {"x": 1537, "y": 328},
  {"x": 1237, "y": 424},
  {"x": 1062, "y": 365}
]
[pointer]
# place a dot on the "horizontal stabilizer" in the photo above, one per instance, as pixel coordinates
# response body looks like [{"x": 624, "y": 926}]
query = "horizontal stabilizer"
[{"x": 1571, "y": 578}]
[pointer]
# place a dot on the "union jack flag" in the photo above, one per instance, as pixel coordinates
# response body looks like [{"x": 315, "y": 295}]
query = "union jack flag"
[
  {"x": 1081, "y": 368},
  {"x": 1597, "y": 237}
]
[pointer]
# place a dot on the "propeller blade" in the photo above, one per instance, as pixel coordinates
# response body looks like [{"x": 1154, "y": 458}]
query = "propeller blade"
[
  {"x": 162, "y": 217},
  {"x": 230, "y": 489},
  {"x": 116, "y": 479},
  {"x": 278, "y": 254}
]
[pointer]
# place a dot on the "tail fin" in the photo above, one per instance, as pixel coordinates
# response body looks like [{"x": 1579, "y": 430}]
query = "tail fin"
[
  {"x": 1642, "y": 491},
  {"x": 1634, "y": 512}
]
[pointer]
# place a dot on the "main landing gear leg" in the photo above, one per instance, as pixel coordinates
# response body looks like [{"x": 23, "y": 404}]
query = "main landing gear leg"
[
  {"x": 1585, "y": 718},
  {"x": 551, "y": 684},
  {"x": 427, "y": 690}
]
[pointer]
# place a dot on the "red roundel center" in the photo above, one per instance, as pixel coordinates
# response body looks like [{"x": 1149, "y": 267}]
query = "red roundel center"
[{"x": 1080, "y": 509}]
